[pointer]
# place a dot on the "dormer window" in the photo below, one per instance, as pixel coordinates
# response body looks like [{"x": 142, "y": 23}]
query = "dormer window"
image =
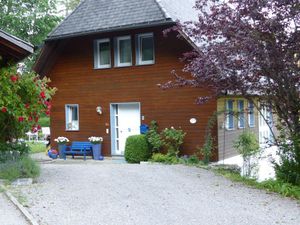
[
  {"x": 145, "y": 49},
  {"x": 123, "y": 52},
  {"x": 102, "y": 54}
]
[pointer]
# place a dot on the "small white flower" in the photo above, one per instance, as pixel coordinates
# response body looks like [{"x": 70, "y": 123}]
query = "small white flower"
[
  {"x": 61, "y": 140},
  {"x": 95, "y": 140}
]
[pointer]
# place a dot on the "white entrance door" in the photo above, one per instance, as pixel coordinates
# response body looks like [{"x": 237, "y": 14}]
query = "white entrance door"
[{"x": 125, "y": 120}]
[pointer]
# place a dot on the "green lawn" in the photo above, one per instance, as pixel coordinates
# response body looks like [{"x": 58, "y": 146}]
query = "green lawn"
[{"x": 37, "y": 147}]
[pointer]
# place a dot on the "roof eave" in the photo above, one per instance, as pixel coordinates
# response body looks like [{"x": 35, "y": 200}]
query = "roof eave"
[
  {"x": 17, "y": 42},
  {"x": 113, "y": 29}
]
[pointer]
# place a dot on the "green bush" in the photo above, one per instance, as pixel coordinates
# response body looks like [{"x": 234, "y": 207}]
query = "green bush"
[
  {"x": 154, "y": 137},
  {"x": 162, "y": 158},
  {"x": 23, "y": 167},
  {"x": 247, "y": 144},
  {"x": 288, "y": 170},
  {"x": 173, "y": 139},
  {"x": 12, "y": 151},
  {"x": 137, "y": 149},
  {"x": 207, "y": 149},
  {"x": 193, "y": 159}
]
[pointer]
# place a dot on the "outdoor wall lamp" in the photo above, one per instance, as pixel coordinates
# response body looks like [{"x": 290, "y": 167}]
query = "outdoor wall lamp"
[{"x": 99, "y": 110}]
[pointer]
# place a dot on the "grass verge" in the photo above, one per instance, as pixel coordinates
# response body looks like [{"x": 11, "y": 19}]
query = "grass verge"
[
  {"x": 37, "y": 147},
  {"x": 284, "y": 189},
  {"x": 22, "y": 168}
]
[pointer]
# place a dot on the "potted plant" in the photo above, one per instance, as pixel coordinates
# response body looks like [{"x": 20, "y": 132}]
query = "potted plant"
[
  {"x": 97, "y": 144},
  {"x": 61, "y": 141}
]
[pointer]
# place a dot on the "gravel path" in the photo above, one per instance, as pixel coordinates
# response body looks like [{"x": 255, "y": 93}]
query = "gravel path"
[
  {"x": 122, "y": 194},
  {"x": 9, "y": 214}
]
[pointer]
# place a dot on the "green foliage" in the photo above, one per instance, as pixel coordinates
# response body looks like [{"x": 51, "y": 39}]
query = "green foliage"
[
  {"x": 23, "y": 100},
  {"x": 154, "y": 137},
  {"x": 189, "y": 160},
  {"x": 137, "y": 149},
  {"x": 288, "y": 169},
  {"x": 207, "y": 149},
  {"x": 164, "y": 158},
  {"x": 44, "y": 121},
  {"x": 12, "y": 151},
  {"x": 23, "y": 167},
  {"x": 247, "y": 144},
  {"x": 193, "y": 159},
  {"x": 30, "y": 20},
  {"x": 173, "y": 139},
  {"x": 285, "y": 189}
]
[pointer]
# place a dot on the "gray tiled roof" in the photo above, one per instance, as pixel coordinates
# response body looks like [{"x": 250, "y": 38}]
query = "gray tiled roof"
[{"x": 93, "y": 16}]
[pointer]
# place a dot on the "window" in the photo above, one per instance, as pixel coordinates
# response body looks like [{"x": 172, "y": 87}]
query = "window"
[
  {"x": 251, "y": 116},
  {"x": 123, "y": 52},
  {"x": 72, "y": 117},
  {"x": 102, "y": 53},
  {"x": 145, "y": 49},
  {"x": 229, "y": 115},
  {"x": 241, "y": 114}
]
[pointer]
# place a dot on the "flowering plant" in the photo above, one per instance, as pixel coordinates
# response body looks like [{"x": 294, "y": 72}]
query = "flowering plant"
[
  {"x": 95, "y": 140},
  {"x": 24, "y": 98},
  {"x": 61, "y": 140}
]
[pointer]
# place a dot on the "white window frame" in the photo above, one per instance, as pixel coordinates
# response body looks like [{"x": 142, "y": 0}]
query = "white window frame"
[
  {"x": 117, "y": 52},
  {"x": 97, "y": 54},
  {"x": 139, "y": 49},
  {"x": 66, "y": 116},
  {"x": 228, "y": 115},
  {"x": 241, "y": 111},
  {"x": 249, "y": 115}
]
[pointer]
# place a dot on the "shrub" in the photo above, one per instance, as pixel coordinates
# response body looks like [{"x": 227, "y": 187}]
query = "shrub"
[
  {"x": 137, "y": 149},
  {"x": 206, "y": 150},
  {"x": 154, "y": 137},
  {"x": 193, "y": 159},
  {"x": 23, "y": 167},
  {"x": 12, "y": 151},
  {"x": 162, "y": 158},
  {"x": 288, "y": 167},
  {"x": 173, "y": 139},
  {"x": 247, "y": 145}
]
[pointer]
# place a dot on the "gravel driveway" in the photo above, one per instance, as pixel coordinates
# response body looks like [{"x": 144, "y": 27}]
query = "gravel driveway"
[
  {"x": 9, "y": 214},
  {"x": 121, "y": 194}
]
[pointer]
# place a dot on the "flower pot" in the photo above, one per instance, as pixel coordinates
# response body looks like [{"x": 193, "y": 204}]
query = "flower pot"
[
  {"x": 97, "y": 152},
  {"x": 61, "y": 150}
]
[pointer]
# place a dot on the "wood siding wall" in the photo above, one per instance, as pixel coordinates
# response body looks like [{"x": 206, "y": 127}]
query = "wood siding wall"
[{"x": 79, "y": 83}]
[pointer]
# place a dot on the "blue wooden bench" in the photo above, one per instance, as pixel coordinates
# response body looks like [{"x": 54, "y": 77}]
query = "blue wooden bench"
[{"x": 78, "y": 148}]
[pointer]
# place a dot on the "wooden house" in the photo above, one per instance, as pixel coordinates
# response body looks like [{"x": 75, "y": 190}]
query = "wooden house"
[{"x": 107, "y": 58}]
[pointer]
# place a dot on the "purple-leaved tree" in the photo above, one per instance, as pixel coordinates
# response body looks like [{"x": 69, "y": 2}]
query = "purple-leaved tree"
[{"x": 251, "y": 47}]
